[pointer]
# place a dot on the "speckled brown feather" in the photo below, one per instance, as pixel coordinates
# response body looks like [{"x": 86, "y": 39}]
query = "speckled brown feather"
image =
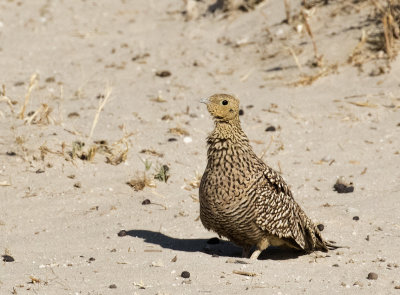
[{"x": 243, "y": 199}]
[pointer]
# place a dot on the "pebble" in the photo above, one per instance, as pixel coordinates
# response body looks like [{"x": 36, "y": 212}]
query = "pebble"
[
  {"x": 397, "y": 287},
  {"x": 122, "y": 233},
  {"x": 172, "y": 139},
  {"x": 91, "y": 259},
  {"x": 372, "y": 276},
  {"x": 358, "y": 283},
  {"x": 241, "y": 112},
  {"x": 78, "y": 185},
  {"x": 11, "y": 154},
  {"x": 185, "y": 274},
  {"x": 342, "y": 187},
  {"x": 213, "y": 241},
  {"x": 320, "y": 227},
  {"x": 270, "y": 129},
  {"x": 146, "y": 202},
  {"x": 163, "y": 74},
  {"x": 356, "y": 218},
  {"x": 113, "y": 286},
  {"x": 187, "y": 139},
  {"x": 8, "y": 258}
]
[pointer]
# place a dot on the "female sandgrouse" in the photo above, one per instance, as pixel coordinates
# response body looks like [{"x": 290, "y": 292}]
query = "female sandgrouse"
[{"x": 243, "y": 199}]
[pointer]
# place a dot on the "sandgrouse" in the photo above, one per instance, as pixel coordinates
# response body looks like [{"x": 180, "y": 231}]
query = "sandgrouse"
[{"x": 243, "y": 199}]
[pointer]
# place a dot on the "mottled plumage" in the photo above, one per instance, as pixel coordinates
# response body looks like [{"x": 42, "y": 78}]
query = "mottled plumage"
[{"x": 243, "y": 199}]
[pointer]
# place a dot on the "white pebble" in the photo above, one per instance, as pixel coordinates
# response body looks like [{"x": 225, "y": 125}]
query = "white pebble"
[{"x": 187, "y": 139}]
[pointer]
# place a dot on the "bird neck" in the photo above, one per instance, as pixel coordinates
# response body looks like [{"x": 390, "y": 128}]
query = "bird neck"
[{"x": 231, "y": 130}]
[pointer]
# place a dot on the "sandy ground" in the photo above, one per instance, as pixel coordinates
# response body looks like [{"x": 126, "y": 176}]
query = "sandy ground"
[{"x": 60, "y": 216}]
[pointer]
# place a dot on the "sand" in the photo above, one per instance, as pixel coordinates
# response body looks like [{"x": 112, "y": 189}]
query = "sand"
[{"x": 62, "y": 206}]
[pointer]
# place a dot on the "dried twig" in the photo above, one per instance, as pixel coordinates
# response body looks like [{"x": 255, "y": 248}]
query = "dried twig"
[
  {"x": 101, "y": 106},
  {"x": 244, "y": 273},
  {"x": 32, "y": 84}
]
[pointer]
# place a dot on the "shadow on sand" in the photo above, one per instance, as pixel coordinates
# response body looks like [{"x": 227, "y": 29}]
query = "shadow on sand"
[{"x": 221, "y": 248}]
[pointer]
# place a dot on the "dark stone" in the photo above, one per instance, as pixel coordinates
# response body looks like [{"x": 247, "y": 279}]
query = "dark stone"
[
  {"x": 270, "y": 129},
  {"x": 172, "y": 139},
  {"x": 185, "y": 274},
  {"x": 113, "y": 286},
  {"x": 372, "y": 276},
  {"x": 7, "y": 258},
  {"x": 241, "y": 112},
  {"x": 356, "y": 218},
  {"x": 163, "y": 74},
  {"x": 122, "y": 233},
  {"x": 12, "y": 154},
  {"x": 343, "y": 188},
  {"x": 320, "y": 227},
  {"x": 146, "y": 202}
]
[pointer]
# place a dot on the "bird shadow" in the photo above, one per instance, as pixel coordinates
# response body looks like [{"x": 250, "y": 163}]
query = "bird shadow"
[{"x": 214, "y": 246}]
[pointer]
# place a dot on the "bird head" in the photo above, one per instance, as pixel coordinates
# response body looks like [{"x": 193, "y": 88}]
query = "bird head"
[{"x": 222, "y": 107}]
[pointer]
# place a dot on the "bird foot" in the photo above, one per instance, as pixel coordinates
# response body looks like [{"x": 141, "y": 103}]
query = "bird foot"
[{"x": 255, "y": 254}]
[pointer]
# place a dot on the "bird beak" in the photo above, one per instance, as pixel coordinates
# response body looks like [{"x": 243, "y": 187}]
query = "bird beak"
[{"x": 204, "y": 100}]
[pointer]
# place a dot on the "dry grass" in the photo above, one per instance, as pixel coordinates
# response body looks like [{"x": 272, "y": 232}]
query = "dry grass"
[
  {"x": 306, "y": 80},
  {"x": 178, "y": 131},
  {"x": 32, "y": 84},
  {"x": 140, "y": 181},
  {"x": 193, "y": 183},
  {"x": 4, "y": 98},
  {"x": 41, "y": 116},
  {"x": 102, "y": 103}
]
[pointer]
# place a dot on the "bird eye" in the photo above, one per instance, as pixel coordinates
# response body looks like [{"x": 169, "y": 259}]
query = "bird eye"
[{"x": 224, "y": 102}]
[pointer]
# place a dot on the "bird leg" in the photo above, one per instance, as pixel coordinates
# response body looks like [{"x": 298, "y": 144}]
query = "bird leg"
[
  {"x": 255, "y": 254},
  {"x": 262, "y": 245},
  {"x": 246, "y": 252}
]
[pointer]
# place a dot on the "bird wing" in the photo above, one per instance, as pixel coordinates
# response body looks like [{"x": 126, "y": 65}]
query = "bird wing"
[{"x": 278, "y": 212}]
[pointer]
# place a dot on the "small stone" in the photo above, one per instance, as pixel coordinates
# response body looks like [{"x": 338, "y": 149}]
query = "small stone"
[
  {"x": 270, "y": 129},
  {"x": 39, "y": 171},
  {"x": 185, "y": 274},
  {"x": 187, "y": 139},
  {"x": 320, "y": 227},
  {"x": 73, "y": 115},
  {"x": 372, "y": 276},
  {"x": 91, "y": 259},
  {"x": 77, "y": 184},
  {"x": 172, "y": 139},
  {"x": 397, "y": 287},
  {"x": 7, "y": 258},
  {"x": 163, "y": 74},
  {"x": 367, "y": 238},
  {"x": 358, "y": 283},
  {"x": 335, "y": 265},
  {"x": 146, "y": 202},
  {"x": 213, "y": 241},
  {"x": 11, "y": 154},
  {"x": 174, "y": 259},
  {"x": 113, "y": 286},
  {"x": 356, "y": 218},
  {"x": 122, "y": 233},
  {"x": 241, "y": 112},
  {"x": 342, "y": 187}
]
